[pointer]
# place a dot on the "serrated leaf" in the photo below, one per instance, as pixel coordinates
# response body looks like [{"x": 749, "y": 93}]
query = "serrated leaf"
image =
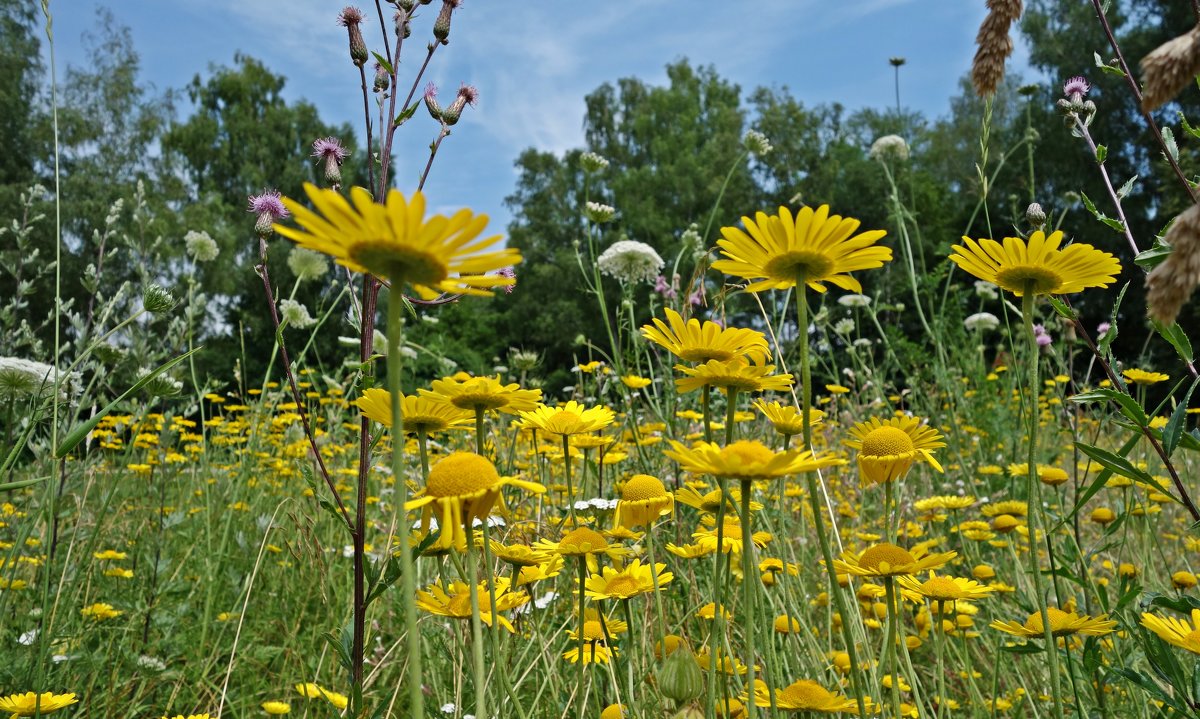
[
  {"x": 1116, "y": 463},
  {"x": 1124, "y": 190},
  {"x": 1116, "y": 225},
  {"x": 1090, "y": 206},
  {"x": 1062, "y": 309},
  {"x": 1101, "y": 154},
  {"x": 1153, "y": 257},
  {"x": 1173, "y": 432},
  {"x": 1169, "y": 143},
  {"x": 1177, "y": 337},
  {"x": 1128, "y": 405},
  {"x": 1193, "y": 131}
]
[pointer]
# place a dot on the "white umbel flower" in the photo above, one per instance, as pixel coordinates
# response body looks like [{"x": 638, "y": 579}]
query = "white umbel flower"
[
  {"x": 630, "y": 261},
  {"x": 982, "y": 322},
  {"x": 295, "y": 314},
  {"x": 889, "y": 147},
  {"x": 200, "y": 246}
]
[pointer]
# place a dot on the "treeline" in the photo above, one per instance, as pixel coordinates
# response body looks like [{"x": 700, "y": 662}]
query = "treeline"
[{"x": 672, "y": 151}]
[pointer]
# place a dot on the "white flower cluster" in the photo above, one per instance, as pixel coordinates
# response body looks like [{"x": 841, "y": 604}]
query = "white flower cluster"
[
  {"x": 200, "y": 246},
  {"x": 598, "y": 212},
  {"x": 854, "y": 300},
  {"x": 982, "y": 321},
  {"x": 630, "y": 261},
  {"x": 757, "y": 143},
  {"x": 592, "y": 162},
  {"x": 22, "y": 378},
  {"x": 889, "y": 147},
  {"x": 295, "y": 314},
  {"x": 307, "y": 264}
]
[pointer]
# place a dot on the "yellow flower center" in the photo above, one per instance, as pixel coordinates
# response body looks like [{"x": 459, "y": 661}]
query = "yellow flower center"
[
  {"x": 732, "y": 531},
  {"x": 399, "y": 263},
  {"x": 593, "y": 631},
  {"x": 1037, "y": 279},
  {"x": 790, "y": 265},
  {"x": 642, "y": 487},
  {"x": 461, "y": 474},
  {"x": 623, "y": 586},
  {"x": 942, "y": 588},
  {"x": 887, "y": 441},
  {"x": 746, "y": 453},
  {"x": 1059, "y": 620},
  {"x": 1192, "y": 638},
  {"x": 459, "y": 605},
  {"x": 581, "y": 541},
  {"x": 805, "y": 695},
  {"x": 563, "y": 422},
  {"x": 885, "y": 553}
]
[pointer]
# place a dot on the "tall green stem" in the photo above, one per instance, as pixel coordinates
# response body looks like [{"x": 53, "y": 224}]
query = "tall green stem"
[
  {"x": 749, "y": 582},
  {"x": 478, "y": 667},
  {"x": 814, "y": 497},
  {"x": 1034, "y": 498},
  {"x": 892, "y": 655},
  {"x": 416, "y": 699}
]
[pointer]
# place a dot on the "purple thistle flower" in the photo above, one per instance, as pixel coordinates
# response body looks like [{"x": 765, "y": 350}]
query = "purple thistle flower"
[
  {"x": 349, "y": 15},
  {"x": 1042, "y": 336},
  {"x": 268, "y": 206},
  {"x": 1075, "y": 88},
  {"x": 511, "y": 274},
  {"x": 329, "y": 148},
  {"x": 269, "y": 202},
  {"x": 468, "y": 94},
  {"x": 667, "y": 291},
  {"x": 1103, "y": 328}
]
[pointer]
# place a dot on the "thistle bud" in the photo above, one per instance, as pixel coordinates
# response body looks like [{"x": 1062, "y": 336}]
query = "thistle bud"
[
  {"x": 350, "y": 18},
  {"x": 330, "y": 151},
  {"x": 382, "y": 79},
  {"x": 680, "y": 678},
  {"x": 441, "y": 26},
  {"x": 467, "y": 95},
  {"x": 1035, "y": 215},
  {"x": 431, "y": 103}
]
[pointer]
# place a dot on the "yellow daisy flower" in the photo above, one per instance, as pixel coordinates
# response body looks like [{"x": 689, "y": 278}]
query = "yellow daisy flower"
[
  {"x": 1176, "y": 632},
  {"x": 395, "y": 240},
  {"x": 636, "y": 578},
  {"x": 786, "y": 419},
  {"x": 942, "y": 588},
  {"x": 1061, "y": 624},
  {"x": 732, "y": 538},
  {"x": 737, "y": 375},
  {"x": 888, "y": 560},
  {"x": 100, "y": 611},
  {"x": 1038, "y": 267},
  {"x": 30, "y": 703},
  {"x": 421, "y": 414},
  {"x": 692, "y": 341},
  {"x": 571, "y": 418},
  {"x": 747, "y": 460},
  {"x": 464, "y": 486},
  {"x": 777, "y": 250},
  {"x": 456, "y": 603},
  {"x": 1139, "y": 376},
  {"x": 643, "y": 500},
  {"x": 276, "y": 707},
  {"x": 803, "y": 695},
  {"x": 888, "y": 448},
  {"x": 479, "y": 394}
]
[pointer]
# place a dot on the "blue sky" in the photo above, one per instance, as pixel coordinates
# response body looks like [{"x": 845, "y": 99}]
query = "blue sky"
[{"x": 534, "y": 60}]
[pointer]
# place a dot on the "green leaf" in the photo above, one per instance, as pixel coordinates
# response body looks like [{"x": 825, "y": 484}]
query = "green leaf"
[
  {"x": 1173, "y": 432},
  {"x": 1062, "y": 309},
  {"x": 1116, "y": 463},
  {"x": 1124, "y": 190},
  {"x": 1107, "y": 340},
  {"x": 1194, "y": 132},
  {"x": 1101, "y": 153},
  {"x": 78, "y": 434},
  {"x": 23, "y": 483},
  {"x": 343, "y": 654},
  {"x": 1177, "y": 337},
  {"x": 1128, "y": 405},
  {"x": 406, "y": 114},
  {"x": 1153, "y": 257},
  {"x": 1026, "y": 648},
  {"x": 387, "y": 66},
  {"x": 1105, "y": 67},
  {"x": 1169, "y": 143}
]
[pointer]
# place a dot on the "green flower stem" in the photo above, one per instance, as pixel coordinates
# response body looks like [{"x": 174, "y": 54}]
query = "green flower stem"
[
  {"x": 479, "y": 669},
  {"x": 479, "y": 431},
  {"x": 749, "y": 580},
  {"x": 717, "y": 629},
  {"x": 416, "y": 699},
  {"x": 582, "y": 641},
  {"x": 1035, "y": 505},
  {"x": 835, "y": 590},
  {"x": 629, "y": 655},
  {"x": 706, "y": 411},
  {"x": 566, "y": 445},
  {"x": 939, "y": 640},
  {"x": 891, "y": 652},
  {"x": 423, "y": 448},
  {"x": 889, "y": 499},
  {"x": 662, "y": 615}
]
